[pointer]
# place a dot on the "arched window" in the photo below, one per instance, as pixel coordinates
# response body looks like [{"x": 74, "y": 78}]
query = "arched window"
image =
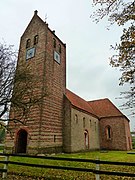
[
  {"x": 84, "y": 122},
  {"x": 86, "y": 139},
  {"x": 95, "y": 126},
  {"x": 54, "y": 43},
  {"x": 59, "y": 48},
  {"x": 90, "y": 122},
  {"x": 108, "y": 133},
  {"x": 76, "y": 118},
  {"x": 35, "y": 39},
  {"x": 28, "y": 43}
]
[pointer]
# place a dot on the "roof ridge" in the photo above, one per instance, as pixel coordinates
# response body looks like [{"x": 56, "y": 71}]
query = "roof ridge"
[{"x": 98, "y": 100}]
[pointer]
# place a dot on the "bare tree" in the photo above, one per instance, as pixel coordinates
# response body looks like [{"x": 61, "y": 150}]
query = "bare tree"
[
  {"x": 7, "y": 72},
  {"x": 121, "y": 12},
  {"x": 15, "y": 87}
]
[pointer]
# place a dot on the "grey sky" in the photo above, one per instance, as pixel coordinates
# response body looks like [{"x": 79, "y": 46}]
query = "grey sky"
[{"x": 88, "y": 44}]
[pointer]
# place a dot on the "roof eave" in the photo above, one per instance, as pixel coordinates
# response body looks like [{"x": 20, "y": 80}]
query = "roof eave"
[{"x": 114, "y": 116}]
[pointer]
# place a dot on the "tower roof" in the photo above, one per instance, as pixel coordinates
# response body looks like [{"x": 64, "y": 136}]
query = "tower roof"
[{"x": 36, "y": 17}]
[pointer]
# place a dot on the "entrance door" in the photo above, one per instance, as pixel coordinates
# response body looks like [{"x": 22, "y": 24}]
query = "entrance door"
[{"x": 21, "y": 144}]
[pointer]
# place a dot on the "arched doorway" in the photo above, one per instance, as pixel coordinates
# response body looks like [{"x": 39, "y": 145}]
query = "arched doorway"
[
  {"x": 21, "y": 143},
  {"x": 86, "y": 136}
]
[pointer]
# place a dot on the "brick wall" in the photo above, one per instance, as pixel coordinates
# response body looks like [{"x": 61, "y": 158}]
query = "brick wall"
[
  {"x": 67, "y": 126},
  {"x": 44, "y": 123},
  {"x": 119, "y": 129}
]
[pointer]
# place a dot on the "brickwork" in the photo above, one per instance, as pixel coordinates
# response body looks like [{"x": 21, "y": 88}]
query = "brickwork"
[
  {"x": 120, "y": 134},
  {"x": 45, "y": 121},
  {"x": 67, "y": 126}
]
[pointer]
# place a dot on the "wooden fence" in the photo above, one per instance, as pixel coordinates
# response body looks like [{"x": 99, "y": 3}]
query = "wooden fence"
[{"x": 96, "y": 171}]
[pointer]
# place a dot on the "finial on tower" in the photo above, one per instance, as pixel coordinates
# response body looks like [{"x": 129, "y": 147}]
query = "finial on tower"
[
  {"x": 46, "y": 18},
  {"x": 35, "y": 12}
]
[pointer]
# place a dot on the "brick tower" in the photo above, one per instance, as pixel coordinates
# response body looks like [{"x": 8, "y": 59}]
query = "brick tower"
[{"x": 45, "y": 54}]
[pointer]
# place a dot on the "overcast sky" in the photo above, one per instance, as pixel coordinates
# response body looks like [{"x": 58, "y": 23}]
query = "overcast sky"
[{"x": 89, "y": 74}]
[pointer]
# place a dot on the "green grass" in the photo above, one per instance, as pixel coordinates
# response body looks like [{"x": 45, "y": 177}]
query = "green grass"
[{"x": 22, "y": 172}]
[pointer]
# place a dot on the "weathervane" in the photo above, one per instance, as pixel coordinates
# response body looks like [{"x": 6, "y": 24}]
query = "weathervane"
[{"x": 46, "y": 17}]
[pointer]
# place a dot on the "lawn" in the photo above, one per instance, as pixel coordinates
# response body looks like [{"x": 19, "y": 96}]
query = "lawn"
[{"x": 29, "y": 173}]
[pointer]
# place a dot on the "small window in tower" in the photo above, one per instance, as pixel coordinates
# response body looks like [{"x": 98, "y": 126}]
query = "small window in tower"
[
  {"x": 54, "y": 43},
  {"x": 35, "y": 39},
  {"x": 54, "y": 138},
  {"x": 28, "y": 43},
  {"x": 59, "y": 48}
]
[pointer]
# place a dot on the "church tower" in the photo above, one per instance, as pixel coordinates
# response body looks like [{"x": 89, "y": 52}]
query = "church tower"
[{"x": 45, "y": 54}]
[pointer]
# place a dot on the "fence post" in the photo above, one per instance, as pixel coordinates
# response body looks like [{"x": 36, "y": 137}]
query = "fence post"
[
  {"x": 97, "y": 168},
  {"x": 4, "y": 174}
]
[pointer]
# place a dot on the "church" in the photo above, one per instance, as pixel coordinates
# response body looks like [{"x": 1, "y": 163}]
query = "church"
[{"x": 63, "y": 121}]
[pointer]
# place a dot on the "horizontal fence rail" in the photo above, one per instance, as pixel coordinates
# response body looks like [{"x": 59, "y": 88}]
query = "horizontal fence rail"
[
  {"x": 95, "y": 171},
  {"x": 73, "y": 168},
  {"x": 71, "y": 159}
]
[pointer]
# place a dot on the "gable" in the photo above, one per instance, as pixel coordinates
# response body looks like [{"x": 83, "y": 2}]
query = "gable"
[
  {"x": 105, "y": 108},
  {"x": 35, "y": 21}
]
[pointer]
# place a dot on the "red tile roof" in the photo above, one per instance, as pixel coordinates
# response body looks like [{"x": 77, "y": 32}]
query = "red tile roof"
[
  {"x": 100, "y": 108},
  {"x": 104, "y": 108},
  {"x": 79, "y": 102}
]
